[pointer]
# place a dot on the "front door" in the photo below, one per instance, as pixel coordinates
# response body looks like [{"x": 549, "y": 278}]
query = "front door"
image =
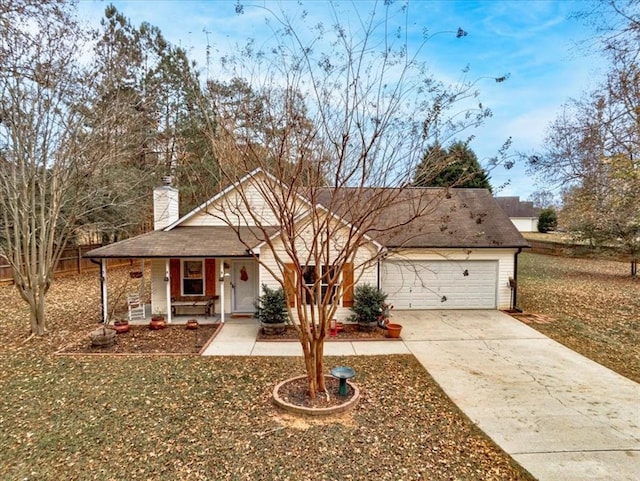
[{"x": 244, "y": 285}]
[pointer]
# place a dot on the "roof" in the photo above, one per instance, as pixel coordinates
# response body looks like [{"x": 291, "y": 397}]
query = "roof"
[
  {"x": 514, "y": 207},
  {"x": 183, "y": 242},
  {"x": 401, "y": 218},
  {"x": 430, "y": 217}
]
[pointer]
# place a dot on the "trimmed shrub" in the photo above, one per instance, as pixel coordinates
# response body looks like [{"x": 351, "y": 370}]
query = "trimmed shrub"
[
  {"x": 271, "y": 306},
  {"x": 369, "y": 304},
  {"x": 547, "y": 220}
]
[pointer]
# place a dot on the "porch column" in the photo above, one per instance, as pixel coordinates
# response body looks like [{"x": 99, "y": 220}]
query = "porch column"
[
  {"x": 103, "y": 287},
  {"x": 167, "y": 276},
  {"x": 221, "y": 291}
]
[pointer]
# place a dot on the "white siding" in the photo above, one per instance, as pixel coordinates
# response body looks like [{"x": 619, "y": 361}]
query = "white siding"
[
  {"x": 158, "y": 287},
  {"x": 165, "y": 206},
  {"x": 365, "y": 272},
  {"x": 232, "y": 208},
  {"x": 525, "y": 224},
  {"x": 503, "y": 257}
]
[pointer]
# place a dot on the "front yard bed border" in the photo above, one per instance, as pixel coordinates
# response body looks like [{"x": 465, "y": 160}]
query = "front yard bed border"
[{"x": 62, "y": 350}]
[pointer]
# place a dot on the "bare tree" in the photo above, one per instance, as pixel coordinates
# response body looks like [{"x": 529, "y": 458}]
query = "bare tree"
[
  {"x": 346, "y": 114},
  {"x": 55, "y": 172},
  {"x": 593, "y": 147}
]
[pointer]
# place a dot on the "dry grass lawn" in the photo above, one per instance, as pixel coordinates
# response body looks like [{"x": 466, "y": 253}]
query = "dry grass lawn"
[
  {"x": 194, "y": 418},
  {"x": 595, "y": 305}
]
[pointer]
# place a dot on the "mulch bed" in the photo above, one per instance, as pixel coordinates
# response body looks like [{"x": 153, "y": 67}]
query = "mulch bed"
[
  {"x": 141, "y": 339},
  {"x": 350, "y": 332},
  {"x": 531, "y": 317},
  {"x": 296, "y": 392}
]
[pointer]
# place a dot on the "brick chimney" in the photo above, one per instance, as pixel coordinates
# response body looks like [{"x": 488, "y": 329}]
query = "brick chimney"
[{"x": 165, "y": 204}]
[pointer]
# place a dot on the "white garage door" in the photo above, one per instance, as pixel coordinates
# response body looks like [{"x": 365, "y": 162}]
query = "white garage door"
[{"x": 440, "y": 284}]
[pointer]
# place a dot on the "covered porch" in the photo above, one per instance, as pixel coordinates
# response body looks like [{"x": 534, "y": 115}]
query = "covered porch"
[{"x": 202, "y": 273}]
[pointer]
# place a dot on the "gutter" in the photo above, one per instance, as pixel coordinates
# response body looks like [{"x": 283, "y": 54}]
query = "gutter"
[{"x": 515, "y": 278}]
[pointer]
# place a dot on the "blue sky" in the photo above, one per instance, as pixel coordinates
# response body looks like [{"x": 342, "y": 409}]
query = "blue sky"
[{"x": 535, "y": 41}]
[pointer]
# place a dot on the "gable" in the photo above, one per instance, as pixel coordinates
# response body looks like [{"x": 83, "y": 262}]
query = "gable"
[{"x": 246, "y": 203}]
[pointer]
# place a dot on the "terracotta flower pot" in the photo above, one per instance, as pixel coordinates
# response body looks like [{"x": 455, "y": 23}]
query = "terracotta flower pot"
[
  {"x": 121, "y": 327},
  {"x": 157, "y": 323},
  {"x": 192, "y": 324},
  {"x": 393, "y": 330}
]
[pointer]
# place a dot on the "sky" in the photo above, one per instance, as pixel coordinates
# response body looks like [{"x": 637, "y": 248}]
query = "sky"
[{"x": 537, "y": 42}]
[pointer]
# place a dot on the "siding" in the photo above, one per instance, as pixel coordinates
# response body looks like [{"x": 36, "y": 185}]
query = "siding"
[
  {"x": 233, "y": 206},
  {"x": 363, "y": 274},
  {"x": 158, "y": 287},
  {"x": 525, "y": 224}
]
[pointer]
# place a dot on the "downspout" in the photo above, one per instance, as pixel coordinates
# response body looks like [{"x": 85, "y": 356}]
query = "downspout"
[
  {"x": 167, "y": 278},
  {"x": 103, "y": 290},
  {"x": 222, "y": 291},
  {"x": 515, "y": 277}
]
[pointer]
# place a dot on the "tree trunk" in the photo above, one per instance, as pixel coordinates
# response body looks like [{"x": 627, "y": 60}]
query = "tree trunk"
[
  {"x": 319, "y": 366},
  {"x": 36, "y": 298},
  {"x": 634, "y": 267}
]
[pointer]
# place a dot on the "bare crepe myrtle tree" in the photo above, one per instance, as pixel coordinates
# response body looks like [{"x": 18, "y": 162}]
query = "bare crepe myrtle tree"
[{"x": 346, "y": 112}]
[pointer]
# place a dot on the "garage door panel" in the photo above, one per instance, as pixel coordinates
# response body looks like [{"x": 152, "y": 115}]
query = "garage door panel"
[{"x": 440, "y": 284}]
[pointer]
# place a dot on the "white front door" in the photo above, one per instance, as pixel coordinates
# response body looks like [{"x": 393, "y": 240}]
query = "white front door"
[{"x": 244, "y": 285}]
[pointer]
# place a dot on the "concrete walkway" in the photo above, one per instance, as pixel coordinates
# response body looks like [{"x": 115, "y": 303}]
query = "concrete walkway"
[{"x": 560, "y": 415}]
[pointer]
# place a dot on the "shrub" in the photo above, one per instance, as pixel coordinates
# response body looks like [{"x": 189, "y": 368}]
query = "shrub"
[
  {"x": 369, "y": 304},
  {"x": 271, "y": 306},
  {"x": 547, "y": 220}
]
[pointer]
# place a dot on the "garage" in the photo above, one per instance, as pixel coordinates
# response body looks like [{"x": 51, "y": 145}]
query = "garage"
[{"x": 441, "y": 284}]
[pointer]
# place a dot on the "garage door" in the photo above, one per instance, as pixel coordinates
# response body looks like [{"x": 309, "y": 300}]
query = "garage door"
[{"x": 440, "y": 284}]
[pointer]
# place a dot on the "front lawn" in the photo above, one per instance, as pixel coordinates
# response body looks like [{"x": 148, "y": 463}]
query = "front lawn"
[
  {"x": 194, "y": 418},
  {"x": 595, "y": 305},
  {"x": 188, "y": 418}
]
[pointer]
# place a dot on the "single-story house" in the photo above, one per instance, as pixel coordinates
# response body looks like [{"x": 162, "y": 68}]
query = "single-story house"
[
  {"x": 462, "y": 255},
  {"x": 522, "y": 213}
]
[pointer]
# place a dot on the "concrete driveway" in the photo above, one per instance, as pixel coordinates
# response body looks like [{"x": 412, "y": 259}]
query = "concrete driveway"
[{"x": 560, "y": 415}]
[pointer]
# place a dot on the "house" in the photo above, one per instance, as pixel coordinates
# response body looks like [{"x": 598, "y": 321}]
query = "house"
[
  {"x": 523, "y": 215},
  {"x": 462, "y": 255}
]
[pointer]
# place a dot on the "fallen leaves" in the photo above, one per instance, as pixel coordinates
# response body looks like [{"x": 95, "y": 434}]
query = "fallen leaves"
[
  {"x": 186, "y": 417},
  {"x": 595, "y": 305}
]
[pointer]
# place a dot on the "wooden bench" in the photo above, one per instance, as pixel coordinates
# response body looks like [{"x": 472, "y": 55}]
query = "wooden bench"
[{"x": 204, "y": 304}]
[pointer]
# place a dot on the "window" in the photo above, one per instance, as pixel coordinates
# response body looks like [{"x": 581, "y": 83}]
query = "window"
[
  {"x": 310, "y": 276},
  {"x": 193, "y": 278}
]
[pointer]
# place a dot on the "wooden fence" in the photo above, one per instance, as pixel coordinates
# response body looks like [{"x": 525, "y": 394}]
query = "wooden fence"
[
  {"x": 71, "y": 262},
  {"x": 577, "y": 250}
]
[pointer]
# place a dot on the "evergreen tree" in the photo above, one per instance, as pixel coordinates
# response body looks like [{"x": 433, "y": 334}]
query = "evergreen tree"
[{"x": 462, "y": 168}]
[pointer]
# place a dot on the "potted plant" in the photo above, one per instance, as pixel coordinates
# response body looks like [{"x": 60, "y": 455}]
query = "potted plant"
[
  {"x": 157, "y": 322},
  {"x": 369, "y": 306},
  {"x": 105, "y": 335},
  {"x": 192, "y": 324},
  {"x": 271, "y": 310},
  {"x": 121, "y": 326}
]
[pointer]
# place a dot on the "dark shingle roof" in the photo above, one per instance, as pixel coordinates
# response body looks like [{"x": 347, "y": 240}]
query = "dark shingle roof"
[
  {"x": 429, "y": 217},
  {"x": 183, "y": 242},
  {"x": 409, "y": 218},
  {"x": 514, "y": 207}
]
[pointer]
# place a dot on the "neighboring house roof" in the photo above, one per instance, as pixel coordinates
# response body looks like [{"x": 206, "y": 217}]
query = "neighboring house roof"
[
  {"x": 433, "y": 218},
  {"x": 183, "y": 242},
  {"x": 514, "y": 207}
]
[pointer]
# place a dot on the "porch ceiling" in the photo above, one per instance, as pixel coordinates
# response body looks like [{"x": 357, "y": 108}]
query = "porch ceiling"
[{"x": 183, "y": 242}]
